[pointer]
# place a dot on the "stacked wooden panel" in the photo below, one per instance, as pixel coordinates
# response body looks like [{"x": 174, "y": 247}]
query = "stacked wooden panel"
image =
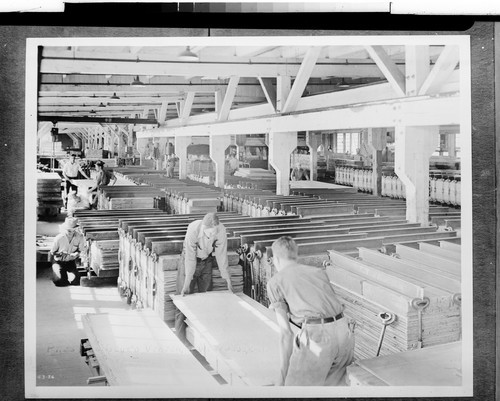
[
  {"x": 103, "y": 258},
  {"x": 128, "y": 197},
  {"x": 421, "y": 288},
  {"x": 49, "y": 198},
  {"x": 100, "y": 229}
]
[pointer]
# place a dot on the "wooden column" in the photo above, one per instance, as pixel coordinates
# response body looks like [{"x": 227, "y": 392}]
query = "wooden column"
[
  {"x": 218, "y": 145},
  {"x": 141, "y": 146},
  {"x": 181, "y": 144},
  {"x": 376, "y": 140},
  {"x": 452, "y": 145},
  {"x": 312, "y": 140},
  {"x": 414, "y": 146},
  {"x": 283, "y": 86},
  {"x": 281, "y": 145}
]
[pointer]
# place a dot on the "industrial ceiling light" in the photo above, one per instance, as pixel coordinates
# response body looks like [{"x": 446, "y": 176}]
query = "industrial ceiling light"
[
  {"x": 188, "y": 55},
  {"x": 92, "y": 112},
  {"x": 102, "y": 105},
  {"x": 137, "y": 82},
  {"x": 114, "y": 96}
]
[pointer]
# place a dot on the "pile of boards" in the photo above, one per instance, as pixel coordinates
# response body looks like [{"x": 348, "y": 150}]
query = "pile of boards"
[
  {"x": 100, "y": 230},
  {"x": 419, "y": 288},
  {"x": 180, "y": 196},
  {"x": 49, "y": 199},
  {"x": 128, "y": 197}
]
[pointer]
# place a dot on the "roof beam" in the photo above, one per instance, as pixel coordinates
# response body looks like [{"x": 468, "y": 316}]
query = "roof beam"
[
  {"x": 388, "y": 68},
  {"x": 69, "y": 66},
  {"x": 97, "y": 120},
  {"x": 187, "y": 106},
  {"x": 162, "y": 116},
  {"x": 301, "y": 80},
  {"x": 442, "y": 70},
  {"x": 415, "y": 111},
  {"x": 269, "y": 90},
  {"x": 253, "y": 51},
  {"x": 228, "y": 98}
]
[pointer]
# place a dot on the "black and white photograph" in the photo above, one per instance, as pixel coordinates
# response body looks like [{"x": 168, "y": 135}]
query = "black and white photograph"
[{"x": 260, "y": 216}]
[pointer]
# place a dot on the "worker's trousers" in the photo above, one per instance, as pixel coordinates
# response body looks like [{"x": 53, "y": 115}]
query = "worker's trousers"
[
  {"x": 321, "y": 353},
  {"x": 202, "y": 282},
  {"x": 60, "y": 272}
]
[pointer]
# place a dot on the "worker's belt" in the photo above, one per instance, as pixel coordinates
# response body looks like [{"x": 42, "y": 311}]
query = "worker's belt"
[
  {"x": 201, "y": 260},
  {"x": 323, "y": 319}
]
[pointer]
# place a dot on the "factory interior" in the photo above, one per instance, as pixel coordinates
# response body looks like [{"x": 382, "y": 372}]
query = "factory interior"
[{"x": 355, "y": 147}]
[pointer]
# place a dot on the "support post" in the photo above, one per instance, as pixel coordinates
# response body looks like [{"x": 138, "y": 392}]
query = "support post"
[
  {"x": 181, "y": 145},
  {"x": 218, "y": 145},
  {"x": 414, "y": 146},
  {"x": 377, "y": 141},
  {"x": 281, "y": 145},
  {"x": 312, "y": 140},
  {"x": 142, "y": 144}
]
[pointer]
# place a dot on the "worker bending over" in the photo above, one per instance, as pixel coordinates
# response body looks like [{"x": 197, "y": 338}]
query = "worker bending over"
[
  {"x": 205, "y": 246},
  {"x": 320, "y": 352},
  {"x": 67, "y": 247}
]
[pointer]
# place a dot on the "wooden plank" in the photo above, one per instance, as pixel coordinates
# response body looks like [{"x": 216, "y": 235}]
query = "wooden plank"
[
  {"x": 447, "y": 265},
  {"x": 137, "y": 348},
  {"x": 438, "y": 251},
  {"x": 440, "y": 365},
  {"x": 242, "y": 337},
  {"x": 431, "y": 276},
  {"x": 450, "y": 246}
]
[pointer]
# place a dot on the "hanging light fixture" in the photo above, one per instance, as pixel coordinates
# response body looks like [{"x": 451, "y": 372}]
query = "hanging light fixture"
[
  {"x": 137, "y": 82},
  {"x": 188, "y": 55},
  {"x": 114, "y": 96},
  {"x": 92, "y": 112},
  {"x": 102, "y": 104}
]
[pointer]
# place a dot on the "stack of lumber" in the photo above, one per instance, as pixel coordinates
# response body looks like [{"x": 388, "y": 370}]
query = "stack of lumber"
[
  {"x": 240, "y": 344},
  {"x": 440, "y": 365},
  {"x": 49, "y": 199},
  {"x": 128, "y": 197},
  {"x": 374, "y": 283},
  {"x": 102, "y": 226},
  {"x": 103, "y": 258},
  {"x": 255, "y": 173},
  {"x": 136, "y": 348}
]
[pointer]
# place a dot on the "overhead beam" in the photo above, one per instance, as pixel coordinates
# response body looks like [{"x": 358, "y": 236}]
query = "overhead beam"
[
  {"x": 301, "y": 79},
  {"x": 67, "y": 66},
  {"x": 228, "y": 98},
  {"x": 187, "y": 106},
  {"x": 269, "y": 90},
  {"x": 162, "y": 115},
  {"x": 416, "y": 111},
  {"x": 98, "y": 120},
  {"x": 388, "y": 68},
  {"x": 442, "y": 70}
]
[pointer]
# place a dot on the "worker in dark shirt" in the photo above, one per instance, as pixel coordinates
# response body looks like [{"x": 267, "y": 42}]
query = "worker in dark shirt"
[{"x": 320, "y": 352}]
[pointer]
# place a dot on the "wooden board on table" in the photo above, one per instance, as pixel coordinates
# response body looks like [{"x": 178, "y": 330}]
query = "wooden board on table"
[
  {"x": 137, "y": 348},
  {"x": 236, "y": 335},
  {"x": 433, "y": 366}
]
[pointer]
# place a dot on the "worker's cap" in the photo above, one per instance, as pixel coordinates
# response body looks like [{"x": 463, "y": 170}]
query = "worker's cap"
[
  {"x": 70, "y": 223},
  {"x": 73, "y": 155},
  {"x": 210, "y": 220}
]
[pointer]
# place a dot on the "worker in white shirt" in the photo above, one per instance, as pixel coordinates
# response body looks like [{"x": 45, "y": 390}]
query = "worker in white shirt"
[
  {"x": 70, "y": 173},
  {"x": 205, "y": 246}
]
